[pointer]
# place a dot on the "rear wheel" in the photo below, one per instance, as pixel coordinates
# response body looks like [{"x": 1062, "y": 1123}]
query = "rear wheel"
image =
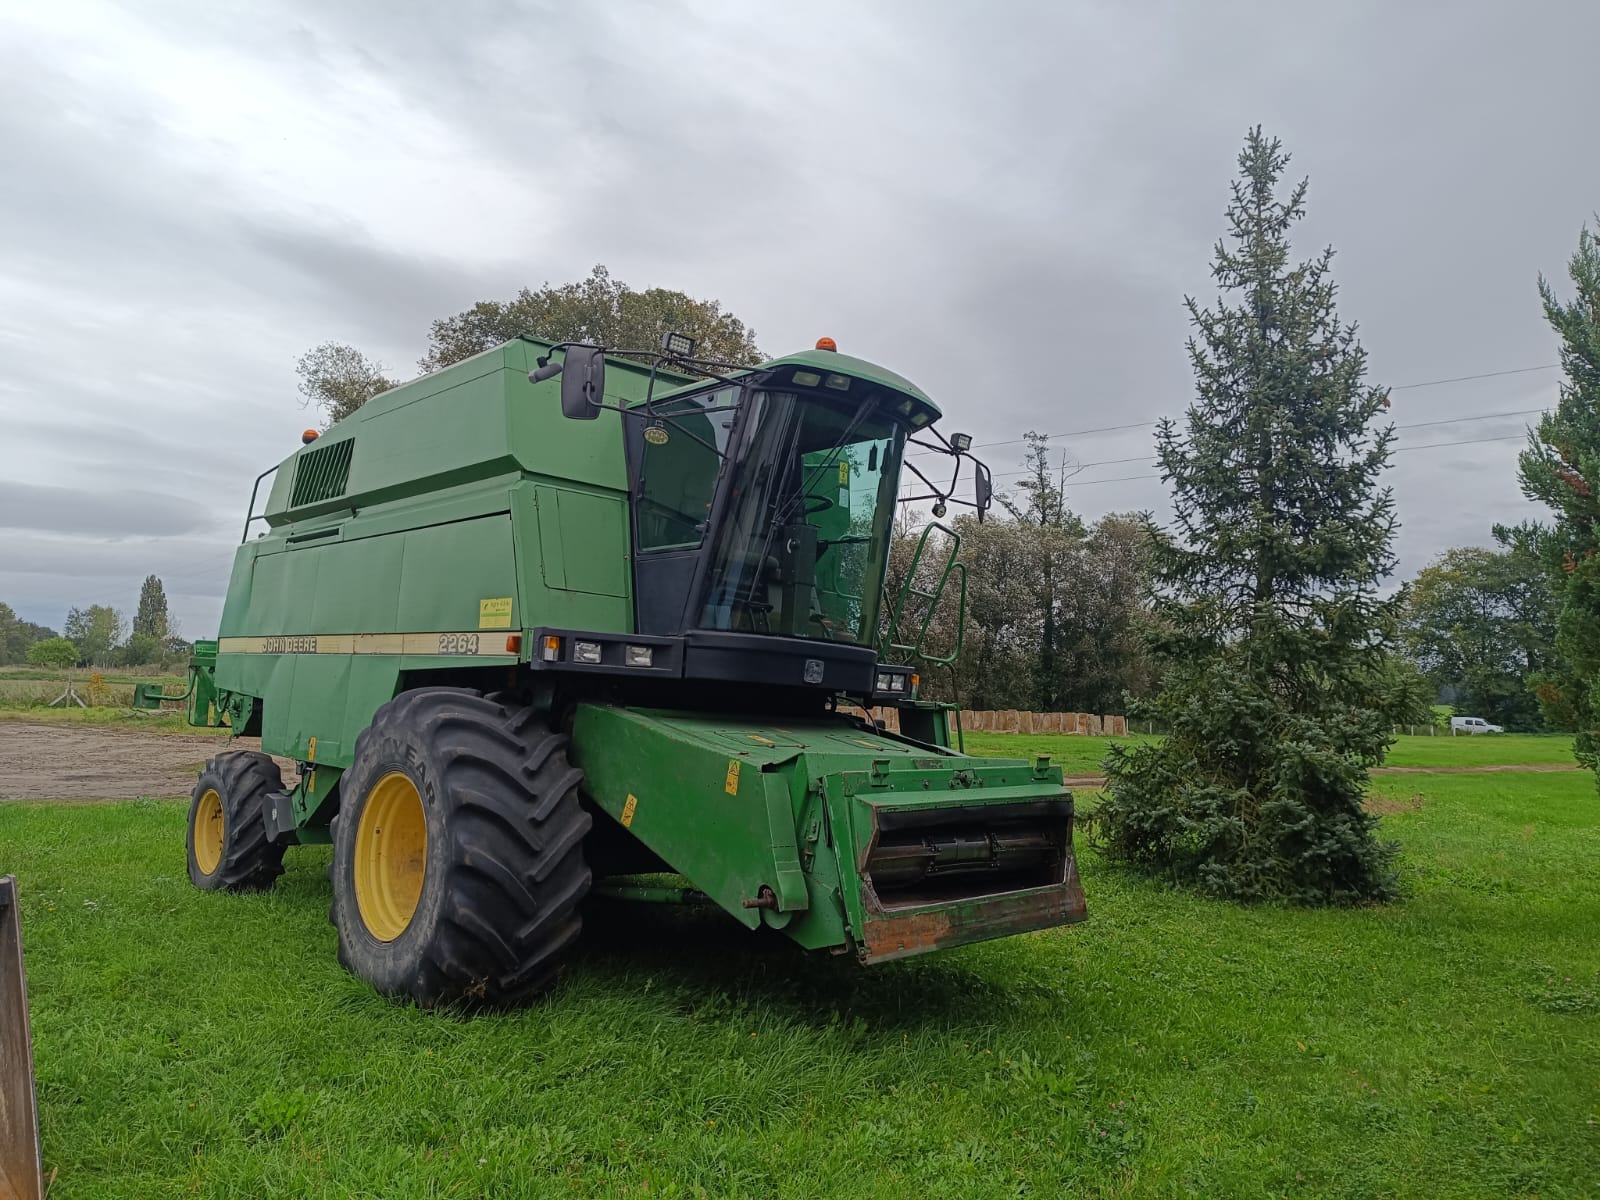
[
  {"x": 228, "y": 846},
  {"x": 457, "y": 852}
]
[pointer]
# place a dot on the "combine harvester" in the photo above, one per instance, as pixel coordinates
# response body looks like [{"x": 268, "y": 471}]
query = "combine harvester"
[
  {"x": 524, "y": 655},
  {"x": 527, "y": 647}
]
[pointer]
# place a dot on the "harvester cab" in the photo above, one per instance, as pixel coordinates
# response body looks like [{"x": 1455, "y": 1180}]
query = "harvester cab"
[
  {"x": 521, "y": 655},
  {"x": 763, "y": 504}
]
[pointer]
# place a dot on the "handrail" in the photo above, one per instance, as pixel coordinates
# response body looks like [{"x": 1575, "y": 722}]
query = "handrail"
[
  {"x": 908, "y": 591},
  {"x": 248, "y": 519}
]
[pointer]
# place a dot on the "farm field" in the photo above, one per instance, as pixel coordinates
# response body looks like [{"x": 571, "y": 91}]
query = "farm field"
[
  {"x": 1447, "y": 1045},
  {"x": 28, "y": 687}
]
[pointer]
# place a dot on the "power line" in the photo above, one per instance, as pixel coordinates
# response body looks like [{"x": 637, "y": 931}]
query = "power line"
[
  {"x": 1516, "y": 412},
  {"x": 1399, "y": 387},
  {"x": 1517, "y": 437},
  {"x": 1403, "y": 387},
  {"x": 1519, "y": 412}
]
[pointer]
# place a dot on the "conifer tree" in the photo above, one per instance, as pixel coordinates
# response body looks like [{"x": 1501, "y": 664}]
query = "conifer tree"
[
  {"x": 1561, "y": 468},
  {"x": 1276, "y": 698}
]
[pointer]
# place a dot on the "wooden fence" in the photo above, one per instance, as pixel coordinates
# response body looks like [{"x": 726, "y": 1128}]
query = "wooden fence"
[{"x": 1011, "y": 720}]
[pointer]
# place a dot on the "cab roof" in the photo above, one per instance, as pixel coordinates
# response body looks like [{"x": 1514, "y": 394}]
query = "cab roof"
[{"x": 832, "y": 362}]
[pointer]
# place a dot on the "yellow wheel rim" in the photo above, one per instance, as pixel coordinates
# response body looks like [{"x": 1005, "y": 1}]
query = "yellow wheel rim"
[
  {"x": 208, "y": 832},
  {"x": 391, "y": 856}
]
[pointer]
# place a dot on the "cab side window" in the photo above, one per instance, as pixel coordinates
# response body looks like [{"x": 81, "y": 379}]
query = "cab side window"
[{"x": 682, "y": 461}]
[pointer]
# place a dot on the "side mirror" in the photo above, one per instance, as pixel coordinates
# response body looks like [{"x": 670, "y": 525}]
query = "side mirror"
[
  {"x": 984, "y": 486},
  {"x": 583, "y": 382}
]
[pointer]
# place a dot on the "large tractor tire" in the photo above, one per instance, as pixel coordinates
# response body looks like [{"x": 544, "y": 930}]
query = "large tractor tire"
[
  {"x": 458, "y": 851},
  {"x": 228, "y": 846}
]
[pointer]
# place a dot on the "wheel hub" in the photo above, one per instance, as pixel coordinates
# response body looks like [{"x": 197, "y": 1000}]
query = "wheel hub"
[
  {"x": 208, "y": 832},
  {"x": 391, "y": 856}
]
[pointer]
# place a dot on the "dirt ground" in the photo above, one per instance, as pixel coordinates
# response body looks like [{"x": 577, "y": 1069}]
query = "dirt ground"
[{"x": 66, "y": 762}]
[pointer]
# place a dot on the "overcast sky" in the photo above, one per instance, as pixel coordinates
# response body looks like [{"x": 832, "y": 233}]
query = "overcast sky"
[{"x": 1005, "y": 202}]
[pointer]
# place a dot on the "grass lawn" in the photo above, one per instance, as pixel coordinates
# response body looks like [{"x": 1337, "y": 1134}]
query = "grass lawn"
[
  {"x": 1080, "y": 755},
  {"x": 1076, "y": 754},
  {"x": 1482, "y": 750},
  {"x": 1448, "y": 1045}
]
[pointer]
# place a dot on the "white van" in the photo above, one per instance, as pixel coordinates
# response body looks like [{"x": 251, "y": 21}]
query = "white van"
[{"x": 1472, "y": 725}]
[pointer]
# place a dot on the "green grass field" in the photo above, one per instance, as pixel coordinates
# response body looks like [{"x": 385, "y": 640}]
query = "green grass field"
[
  {"x": 1079, "y": 755},
  {"x": 1447, "y": 1045}
]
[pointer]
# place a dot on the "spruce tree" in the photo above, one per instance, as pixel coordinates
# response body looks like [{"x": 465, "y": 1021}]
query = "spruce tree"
[
  {"x": 1561, "y": 468},
  {"x": 1268, "y": 613},
  {"x": 150, "y": 618}
]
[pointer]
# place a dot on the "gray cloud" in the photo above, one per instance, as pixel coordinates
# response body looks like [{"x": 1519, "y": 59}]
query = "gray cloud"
[
  {"x": 44, "y": 508},
  {"x": 1007, "y": 210}
]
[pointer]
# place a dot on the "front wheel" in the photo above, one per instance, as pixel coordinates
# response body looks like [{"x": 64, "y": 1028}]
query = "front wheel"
[
  {"x": 227, "y": 841},
  {"x": 457, "y": 852}
]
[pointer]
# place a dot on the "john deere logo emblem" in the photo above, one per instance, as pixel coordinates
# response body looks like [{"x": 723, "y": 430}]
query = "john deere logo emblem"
[
  {"x": 656, "y": 435},
  {"x": 813, "y": 670}
]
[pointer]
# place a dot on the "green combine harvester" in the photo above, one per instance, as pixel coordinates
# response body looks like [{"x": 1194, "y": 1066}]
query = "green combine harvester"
[{"x": 532, "y": 640}]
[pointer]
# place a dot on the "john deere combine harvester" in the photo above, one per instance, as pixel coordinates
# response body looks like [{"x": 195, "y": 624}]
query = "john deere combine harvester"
[{"x": 524, "y": 655}]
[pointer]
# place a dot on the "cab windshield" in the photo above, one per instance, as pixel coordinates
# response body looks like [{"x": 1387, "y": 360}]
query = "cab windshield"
[{"x": 810, "y": 508}]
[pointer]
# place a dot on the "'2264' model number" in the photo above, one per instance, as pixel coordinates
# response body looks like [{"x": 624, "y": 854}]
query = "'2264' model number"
[{"x": 458, "y": 643}]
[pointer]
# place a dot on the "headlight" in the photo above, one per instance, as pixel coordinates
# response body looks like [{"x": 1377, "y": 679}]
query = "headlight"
[
  {"x": 586, "y": 652},
  {"x": 889, "y": 681},
  {"x": 638, "y": 656}
]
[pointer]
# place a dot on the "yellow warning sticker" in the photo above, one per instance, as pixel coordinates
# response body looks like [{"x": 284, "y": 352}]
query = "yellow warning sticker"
[
  {"x": 731, "y": 783},
  {"x": 494, "y": 613},
  {"x": 627, "y": 810},
  {"x": 311, "y": 749},
  {"x": 844, "y": 474}
]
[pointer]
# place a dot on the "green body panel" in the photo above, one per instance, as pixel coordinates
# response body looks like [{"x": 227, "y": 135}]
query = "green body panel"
[
  {"x": 737, "y": 805},
  {"x": 465, "y": 486}
]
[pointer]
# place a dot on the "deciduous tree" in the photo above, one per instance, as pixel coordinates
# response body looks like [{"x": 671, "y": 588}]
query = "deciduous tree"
[
  {"x": 1481, "y": 623},
  {"x": 339, "y": 379},
  {"x": 55, "y": 652},
  {"x": 1056, "y": 611},
  {"x": 599, "y": 309},
  {"x": 16, "y": 635},
  {"x": 96, "y": 631}
]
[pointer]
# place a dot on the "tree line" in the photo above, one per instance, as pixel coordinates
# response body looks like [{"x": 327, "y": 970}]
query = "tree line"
[{"x": 97, "y": 635}]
